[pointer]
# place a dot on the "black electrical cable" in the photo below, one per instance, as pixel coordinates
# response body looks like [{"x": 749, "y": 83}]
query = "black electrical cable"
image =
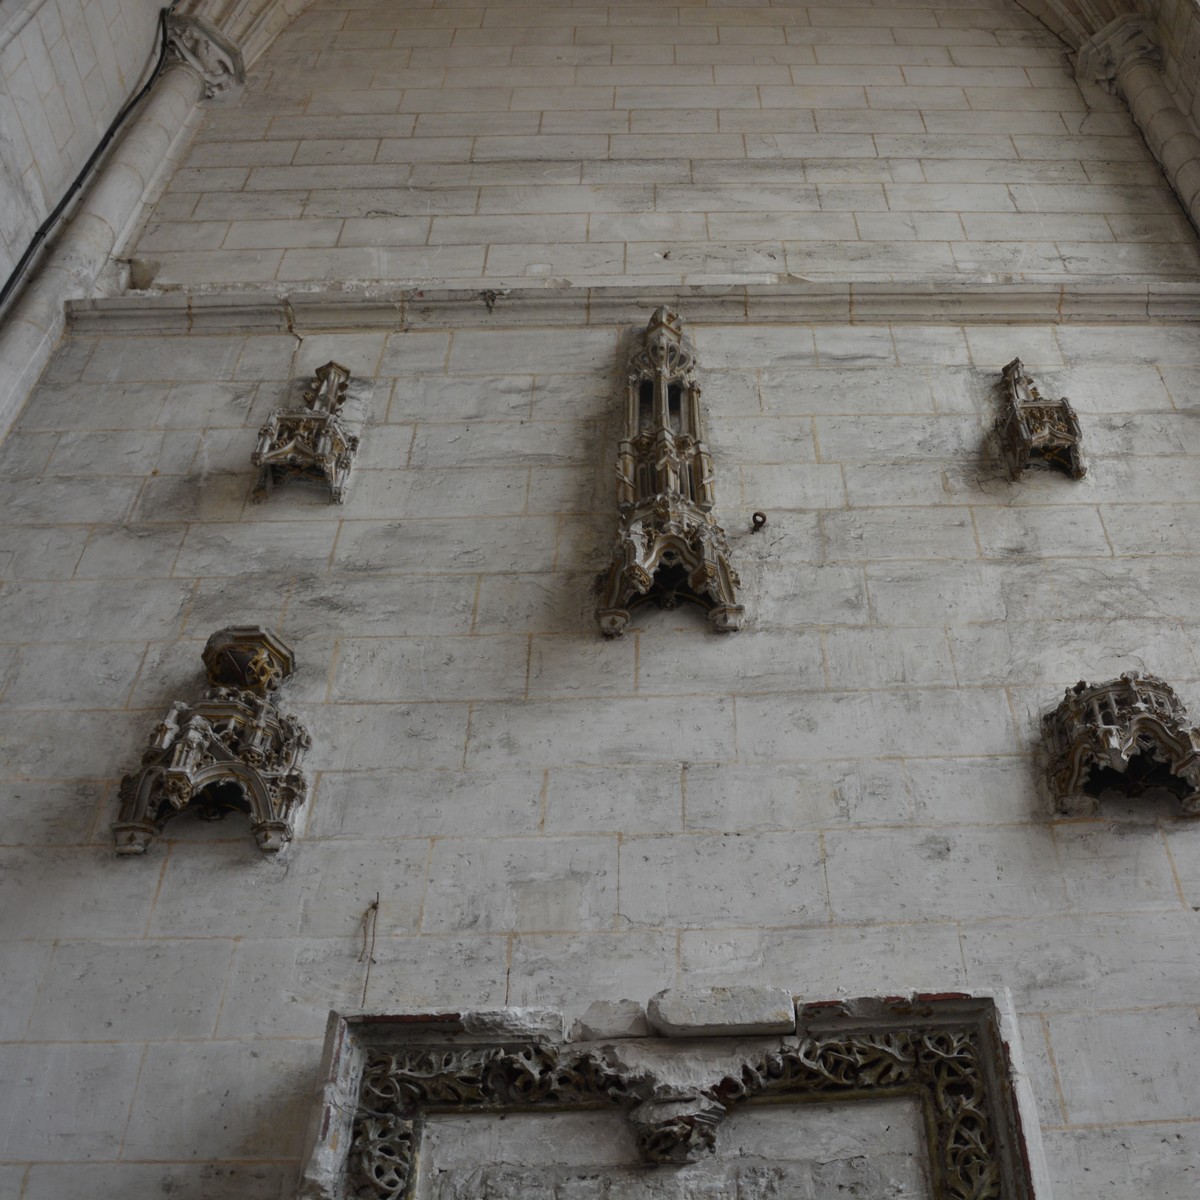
[{"x": 19, "y": 270}]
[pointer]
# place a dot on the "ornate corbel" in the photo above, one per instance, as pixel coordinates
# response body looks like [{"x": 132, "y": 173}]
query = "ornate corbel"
[
  {"x": 1129, "y": 734},
  {"x": 1033, "y": 429},
  {"x": 231, "y": 751},
  {"x": 310, "y": 442},
  {"x": 669, "y": 547},
  {"x": 207, "y": 51}
]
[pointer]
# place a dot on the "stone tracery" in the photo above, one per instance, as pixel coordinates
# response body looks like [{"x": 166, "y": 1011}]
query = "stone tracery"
[
  {"x": 944, "y": 1052},
  {"x": 233, "y": 750},
  {"x": 1131, "y": 734},
  {"x": 1033, "y": 429},
  {"x": 669, "y": 548},
  {"x": 311, "y": 442}
]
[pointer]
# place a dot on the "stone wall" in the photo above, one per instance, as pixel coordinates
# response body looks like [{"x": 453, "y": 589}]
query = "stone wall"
[
  {"x": 844, "y": 798},
  {"x": 841, "y": 799},
  {"x": 517, "y": 142},
  {"x": 66, "y": 68}
]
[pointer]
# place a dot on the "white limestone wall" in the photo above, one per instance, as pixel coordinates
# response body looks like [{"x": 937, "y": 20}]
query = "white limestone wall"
[
  {"x": 535, "y": 143},
  {"x": 842, "y": 799},
  {"x": 66, "y": 68}
]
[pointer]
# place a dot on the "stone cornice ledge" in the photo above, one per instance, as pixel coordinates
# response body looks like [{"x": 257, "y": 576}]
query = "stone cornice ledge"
[{"x": 926, "y": 302}]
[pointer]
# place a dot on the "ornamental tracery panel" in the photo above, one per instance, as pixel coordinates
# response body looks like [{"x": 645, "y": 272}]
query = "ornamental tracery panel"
[{"x": 386, "y": 1077}]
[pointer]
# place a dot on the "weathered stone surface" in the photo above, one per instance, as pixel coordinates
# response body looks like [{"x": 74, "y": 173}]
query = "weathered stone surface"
[
  {"x": 611, "y": 1019},
  {"x": 721, "y": 1011},
  {"x": 807, "y": 1151},
  {"x": 534, "y": 1024}
]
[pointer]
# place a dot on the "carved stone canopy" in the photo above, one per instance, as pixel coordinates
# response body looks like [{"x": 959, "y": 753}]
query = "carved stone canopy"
[
  {"x": 384, "y": 1076},
  {"x": 231, "y": 751},
  {"x": 1128, "y": 734},
  {"x": 1032, "y": 429},
  {"x": 310, "y": 442},
  {"x": 669, "y": 548}
]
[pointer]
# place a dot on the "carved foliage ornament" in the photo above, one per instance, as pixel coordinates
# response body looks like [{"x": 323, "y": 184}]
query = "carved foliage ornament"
[
  {"x": 231, "y": 751},
  {"x": 1130, "y": 734},
  {"x": 1033, "y": 429},
  {"x": 669, "y": 548},
  {"x": 310, "y": 442},
  {"x": 946, "y": 1054}
]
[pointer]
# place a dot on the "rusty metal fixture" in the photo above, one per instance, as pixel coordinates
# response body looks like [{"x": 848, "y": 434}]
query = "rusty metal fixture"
[
  {"x": 1128, "y": 734},
  {"x": 387, "y": 1075},
  {"x": 1032, "y": 429},
  {"x": 758, "y": 521},
  {"x": 231, "y": 751},
  {"x": 669, "y": 550},
  {"x": 311, "y": 442}
]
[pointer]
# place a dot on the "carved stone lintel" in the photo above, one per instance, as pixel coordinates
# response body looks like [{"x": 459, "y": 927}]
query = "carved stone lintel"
[
  {"x": 232, "y": 750},
  {"x": 203, "y": 47},
  {"x": 1122, "y": 42},
  {"x": 947, "y": 1052},
  {"x": 669, "y": 548},
  {"x": 1034, "y": 429},
  {"x": 310, "y": 442},
  {"x": 1130, "y": 734}
]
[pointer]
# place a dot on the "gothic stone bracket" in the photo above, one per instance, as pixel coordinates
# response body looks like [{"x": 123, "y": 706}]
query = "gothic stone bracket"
[
  {"x": 669, "y": 547},
  {"x": 233, "y": 750},
  {"x": 310, "y": 442},
  {"x": 207, "y": 51},
  {"x": 1130, "y": 734},
  {"x": 383, "y": 1076},
  {"x": 1033, "y": 429}
]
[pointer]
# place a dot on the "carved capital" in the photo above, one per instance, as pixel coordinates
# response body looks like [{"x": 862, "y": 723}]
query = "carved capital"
[
  {"x": 209, "y": 52},
  {"x": 1118, "y": 46}
]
